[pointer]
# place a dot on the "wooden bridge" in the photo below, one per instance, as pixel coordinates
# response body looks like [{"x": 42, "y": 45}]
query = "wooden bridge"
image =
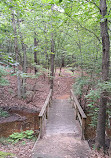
[{"x": 61, "y": 134}]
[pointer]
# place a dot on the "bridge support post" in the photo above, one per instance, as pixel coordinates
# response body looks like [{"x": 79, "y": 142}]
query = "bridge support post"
[
  {"x": 83, "y": 128},
  {"x": 40, "y": 128},
  {"x": 76, "y": 111}
]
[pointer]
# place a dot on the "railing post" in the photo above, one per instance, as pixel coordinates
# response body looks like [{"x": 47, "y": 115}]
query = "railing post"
[
  {"x": 50, "y": 98},
  {"x": 83, "y": 128},
  {"x": 47, "y": 111},
  {"x": 76, "y": 110},
  {"x": 110, "y": 149},
  {"x": 73, "y": 102},
  {"x": 71, "y": 98},
  {"x": 40, "y": 127}
]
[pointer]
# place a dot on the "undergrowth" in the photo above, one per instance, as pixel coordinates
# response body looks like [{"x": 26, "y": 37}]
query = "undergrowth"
[
  {"x": 88, "y": 91},
  {"x": 6, "y": 155},
  {"x": 3, "y": 113},
  {"x": 15, "y": 137}
]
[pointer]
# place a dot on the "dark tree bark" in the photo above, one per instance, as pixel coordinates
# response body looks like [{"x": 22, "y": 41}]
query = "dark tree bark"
[
  {"x": 100, "y": 140},
  {"x": 52, "y": 62},
  {"x": 35, "y": 53},
  {"x": 62, "y": 65}
]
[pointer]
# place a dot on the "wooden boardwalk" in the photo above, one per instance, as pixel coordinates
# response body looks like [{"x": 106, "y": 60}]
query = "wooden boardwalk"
[
  {"x": 61, "y": 118},
  {"x": 62, "y": 137}
]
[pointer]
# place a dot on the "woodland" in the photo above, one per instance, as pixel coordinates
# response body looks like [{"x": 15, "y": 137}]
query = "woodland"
[{"x": 40, "y": 37}]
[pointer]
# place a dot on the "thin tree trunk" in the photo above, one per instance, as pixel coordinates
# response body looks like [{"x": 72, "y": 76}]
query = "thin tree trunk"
[
  {"x": 62, "y": 61},
  {"x": 52, "y": 62},
  {"x": 19, "y": 85},
  {"x": 24, "y": 63},
  {"x": 16, "y": 55},
  {"x": 24, "y": 71},
  {"x": 15, "y": 36},
  {"x": 100, "y": 140},
  {"x": 35, "y": 53}
]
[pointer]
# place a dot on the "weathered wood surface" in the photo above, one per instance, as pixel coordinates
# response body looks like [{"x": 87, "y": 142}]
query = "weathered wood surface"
[
  {"x": 78, "y": 112},
  {"x": 63, "y": 134},
  {"x": 62, "y": 118}
]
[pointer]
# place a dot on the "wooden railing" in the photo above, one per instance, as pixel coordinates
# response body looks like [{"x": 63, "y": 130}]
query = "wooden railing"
[
  {"x": 43, "y": 115},
  {"x": 78, "y": 112}
]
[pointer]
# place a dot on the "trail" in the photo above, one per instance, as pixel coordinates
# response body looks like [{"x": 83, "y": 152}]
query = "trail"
[{"x": 63, "y": 83}]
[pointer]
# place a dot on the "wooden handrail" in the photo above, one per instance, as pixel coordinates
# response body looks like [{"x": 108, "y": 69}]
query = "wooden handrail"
[
  {"x": 43, "y": 115},
  {"x": 79, "y": 112}
]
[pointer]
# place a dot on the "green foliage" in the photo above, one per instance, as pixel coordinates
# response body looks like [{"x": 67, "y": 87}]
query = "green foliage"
[
  {"x": 79, "y": 83},
  {"x": 3, "y": 113},
  {"x": 93, "y": 100},
  {"x": 29, "y": 75},
  {"x": 60, "y": 1},
  {"x": 92, "y": 96},
  {"x": 105, "y": 86},
  {"x": 6, "y": 154},
  {"x": 3, "y": 73},
  {"x": 15, "y": 137}
]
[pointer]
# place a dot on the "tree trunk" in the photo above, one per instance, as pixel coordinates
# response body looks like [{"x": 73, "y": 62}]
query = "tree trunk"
[
  {"x": 62, "y": 65},
  {"x": 24, "y": 62},
  {"x": 15, "y": 37},
  {"x": 35, "y": 54},
  {"x": 100, "y": 140},
  {"x": 19, "y": 85},
  {"x": 16, "y": 55},
  {"x": 52, "y": 62},
  {"x": 24, "y": 71}
]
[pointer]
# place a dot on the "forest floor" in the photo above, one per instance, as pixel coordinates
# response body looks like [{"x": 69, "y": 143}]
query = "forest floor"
[{"x": 37, "y": 92}]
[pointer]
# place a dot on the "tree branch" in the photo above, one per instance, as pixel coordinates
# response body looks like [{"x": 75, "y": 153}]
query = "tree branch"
[
  {"x": 94, "y": 4},
  {"x": 85, "y": 28}
]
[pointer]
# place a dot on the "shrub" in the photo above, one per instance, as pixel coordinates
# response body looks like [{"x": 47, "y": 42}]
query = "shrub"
[{"x": 15, "y": 137}]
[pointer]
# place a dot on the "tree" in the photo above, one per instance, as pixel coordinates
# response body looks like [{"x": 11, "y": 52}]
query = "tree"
[
  {"x": 52, "y": 61},
  {"x": 35, "y": 52},
  {"x": 100, "y": 141}
]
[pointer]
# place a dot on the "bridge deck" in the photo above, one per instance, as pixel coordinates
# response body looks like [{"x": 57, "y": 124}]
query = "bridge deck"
[
  {"x": 63, "y": 135},
  {"x": 61, "y": 118}
]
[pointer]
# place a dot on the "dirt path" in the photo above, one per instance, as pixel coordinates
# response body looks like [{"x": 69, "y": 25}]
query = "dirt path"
[{"x": 63, "y": 83}]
